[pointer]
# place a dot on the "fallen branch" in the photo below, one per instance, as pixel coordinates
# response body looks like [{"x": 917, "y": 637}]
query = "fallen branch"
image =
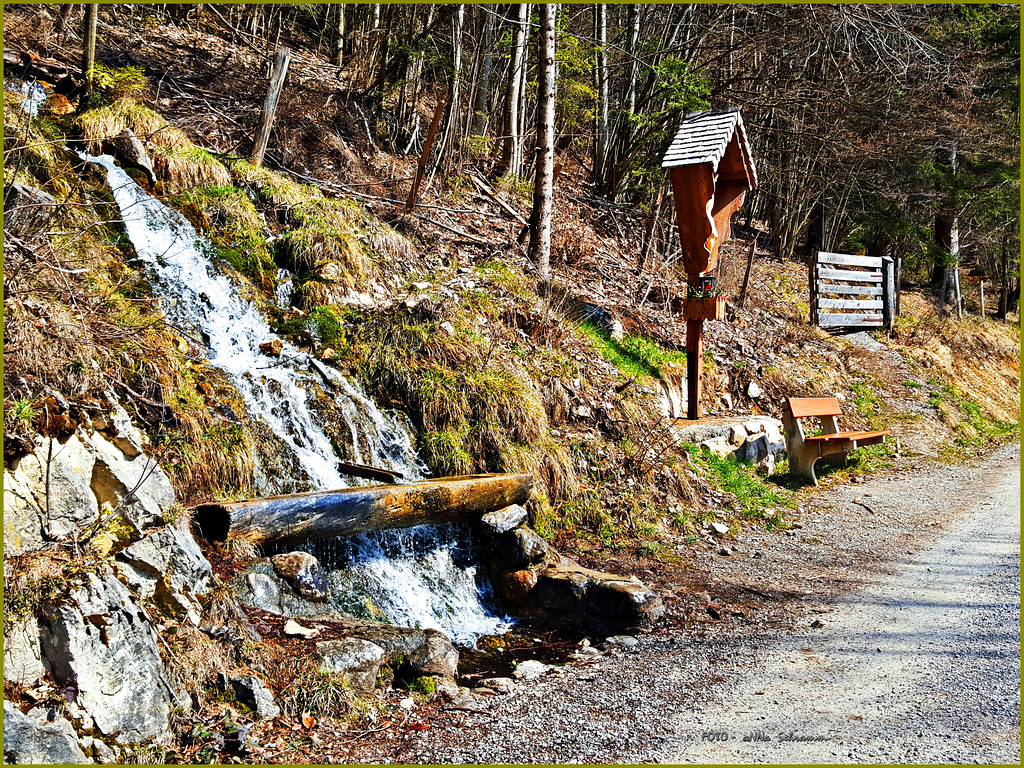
[{"x": 456, "y": 230}]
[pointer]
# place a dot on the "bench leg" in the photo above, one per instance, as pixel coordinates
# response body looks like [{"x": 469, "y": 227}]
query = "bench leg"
[{"x": 801, "y": 464}]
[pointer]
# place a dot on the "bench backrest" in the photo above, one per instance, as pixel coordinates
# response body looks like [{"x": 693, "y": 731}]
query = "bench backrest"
[{"x": 801, "y": 407}]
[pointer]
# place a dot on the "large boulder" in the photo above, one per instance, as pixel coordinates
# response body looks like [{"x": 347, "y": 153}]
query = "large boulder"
[
  {"x": 136, "y": 485},
  {"x": 357, "y": 660},
  {"x": 572, "y": 597},
  {"x": 130, "y": 153},
  {"x": 23, "y": 517},
  {"x": 167, "y": 566},
  {"x": 64, "y": 492},
  {"x": 23, "y": 663},
  {"x": 436, "y": 656},
  {"x": 174, "y": 553},
  {"x": 39, "y": 740},
  {"x": 535, "y": 581},
  {"x": 27, "y": 210},
  {"x": 302, "y": 571},
  {"x": 252, "y": 692},
  {"x": 101, "y": 644},
  {"x": 57, "y": 491}
]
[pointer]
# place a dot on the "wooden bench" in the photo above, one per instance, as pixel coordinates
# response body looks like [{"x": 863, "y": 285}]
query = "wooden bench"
[{"x": 832, "y": 445}]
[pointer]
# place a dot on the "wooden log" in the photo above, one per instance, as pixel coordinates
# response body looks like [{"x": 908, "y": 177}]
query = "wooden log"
[
  {"x": 259, "y": 145},
  {"x": 491, "y": 196},
  {"x": 301, "y": 517}
]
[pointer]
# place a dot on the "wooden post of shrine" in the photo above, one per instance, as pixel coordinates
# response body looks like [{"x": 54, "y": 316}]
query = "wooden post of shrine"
[{"x": 711, "y": 169}]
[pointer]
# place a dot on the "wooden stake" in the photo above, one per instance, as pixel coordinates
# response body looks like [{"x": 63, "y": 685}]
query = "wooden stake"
[
  {"x": 983, "y": 298},
  {"x": 421, "y": 167},
  {"x": 746, "y": 274},
  {"x": 259, "y": 147}
]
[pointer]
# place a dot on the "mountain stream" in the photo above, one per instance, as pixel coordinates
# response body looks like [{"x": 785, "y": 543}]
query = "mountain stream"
[{"x": 424, "y": 576}]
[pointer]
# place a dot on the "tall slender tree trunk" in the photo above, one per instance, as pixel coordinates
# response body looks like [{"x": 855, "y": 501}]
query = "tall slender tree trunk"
[
  {"x": 454, "y": 86},
  {"x": 634, "y": 46},
  {"x": 540, "y": 236},
  {"x": 601, "y": 73},
  {"x": 483, "y": 93},
  {"x": 947, "y": 237},
  {"x": 339, "y": 36},
  {"x": 511, "y": 149}
]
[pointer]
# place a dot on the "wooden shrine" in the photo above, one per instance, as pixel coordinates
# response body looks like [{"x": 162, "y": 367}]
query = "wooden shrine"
[{"x": 711, "y": 169}]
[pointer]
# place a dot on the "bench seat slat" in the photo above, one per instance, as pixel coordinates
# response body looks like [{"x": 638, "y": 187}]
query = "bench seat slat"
[{"x": 854, "y": 435}]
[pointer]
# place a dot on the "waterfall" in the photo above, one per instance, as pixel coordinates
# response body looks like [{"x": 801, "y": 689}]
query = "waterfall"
[
  {"x": 423, "y": 577},
  {"x": 418, "y": 577}
]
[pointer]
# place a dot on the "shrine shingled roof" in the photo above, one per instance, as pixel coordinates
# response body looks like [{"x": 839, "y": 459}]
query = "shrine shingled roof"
[{"x": 703, "y": 138}]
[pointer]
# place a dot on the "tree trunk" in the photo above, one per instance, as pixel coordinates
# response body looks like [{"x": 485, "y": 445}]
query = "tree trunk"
[
  {"x": 89, "y": 46},
  {"x": 454, "y": 86},
  {"x": 511, "y": 149},
  {"x": 484, "y": 80},
  {"x": 601, "y": 72},
  {"x": 540, "y": 238},
  {"x": 302, "y": 517},
  {"x": 339, "y": 36}
]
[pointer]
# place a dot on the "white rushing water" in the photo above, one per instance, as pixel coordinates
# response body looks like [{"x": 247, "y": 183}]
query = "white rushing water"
[
  {"x": 32, "y": 94},
  {"x": 417, "y": 577}
]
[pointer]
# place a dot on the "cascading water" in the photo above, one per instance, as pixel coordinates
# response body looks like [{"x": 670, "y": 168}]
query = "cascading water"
[
  {"x": 417, "y": 577},
  {"x": 276, "y": 389}
]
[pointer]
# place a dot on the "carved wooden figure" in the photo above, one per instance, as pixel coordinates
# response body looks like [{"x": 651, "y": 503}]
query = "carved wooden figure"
[{"x": 711, "y": 169}]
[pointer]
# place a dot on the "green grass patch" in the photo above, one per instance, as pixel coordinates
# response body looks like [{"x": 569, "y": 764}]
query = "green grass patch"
[
  {"x": 975, "y": 428},
  {"x": 228, "y": 218},
  {"x": 637, "y": 357},
  {"x": 754, "y": 495}
]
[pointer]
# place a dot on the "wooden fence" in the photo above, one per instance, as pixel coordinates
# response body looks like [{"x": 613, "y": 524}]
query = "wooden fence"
[{"x": 853, "y": 291}]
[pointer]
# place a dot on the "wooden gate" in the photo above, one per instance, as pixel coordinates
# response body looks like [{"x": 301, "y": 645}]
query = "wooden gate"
[{"x": 852, "y": 291}]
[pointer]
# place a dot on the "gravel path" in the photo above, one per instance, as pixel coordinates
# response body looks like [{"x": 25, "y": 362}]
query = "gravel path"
[
  {"x": 921, "y": 668},
  {"x": 914, "y": 576}
]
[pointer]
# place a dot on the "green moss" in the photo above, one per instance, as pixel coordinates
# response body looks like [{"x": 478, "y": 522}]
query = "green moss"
[
  {"x": 425, "y": 685},
  {"x": 328, "y": 323},
  {"x": 233, "y": 226}
]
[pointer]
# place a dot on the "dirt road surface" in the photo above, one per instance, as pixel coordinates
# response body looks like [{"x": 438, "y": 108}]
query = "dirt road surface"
[{"x": 923, "y": 667}]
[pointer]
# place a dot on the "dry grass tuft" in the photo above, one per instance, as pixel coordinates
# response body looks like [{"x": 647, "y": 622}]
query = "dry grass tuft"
[
  {"x": 176, "y": 160},
  {"x": 193, "y": 659},
  {"x": 311, "y": 690},
  {"x": 271, "y": 188},
  {"x": 34, "y": 151}
]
